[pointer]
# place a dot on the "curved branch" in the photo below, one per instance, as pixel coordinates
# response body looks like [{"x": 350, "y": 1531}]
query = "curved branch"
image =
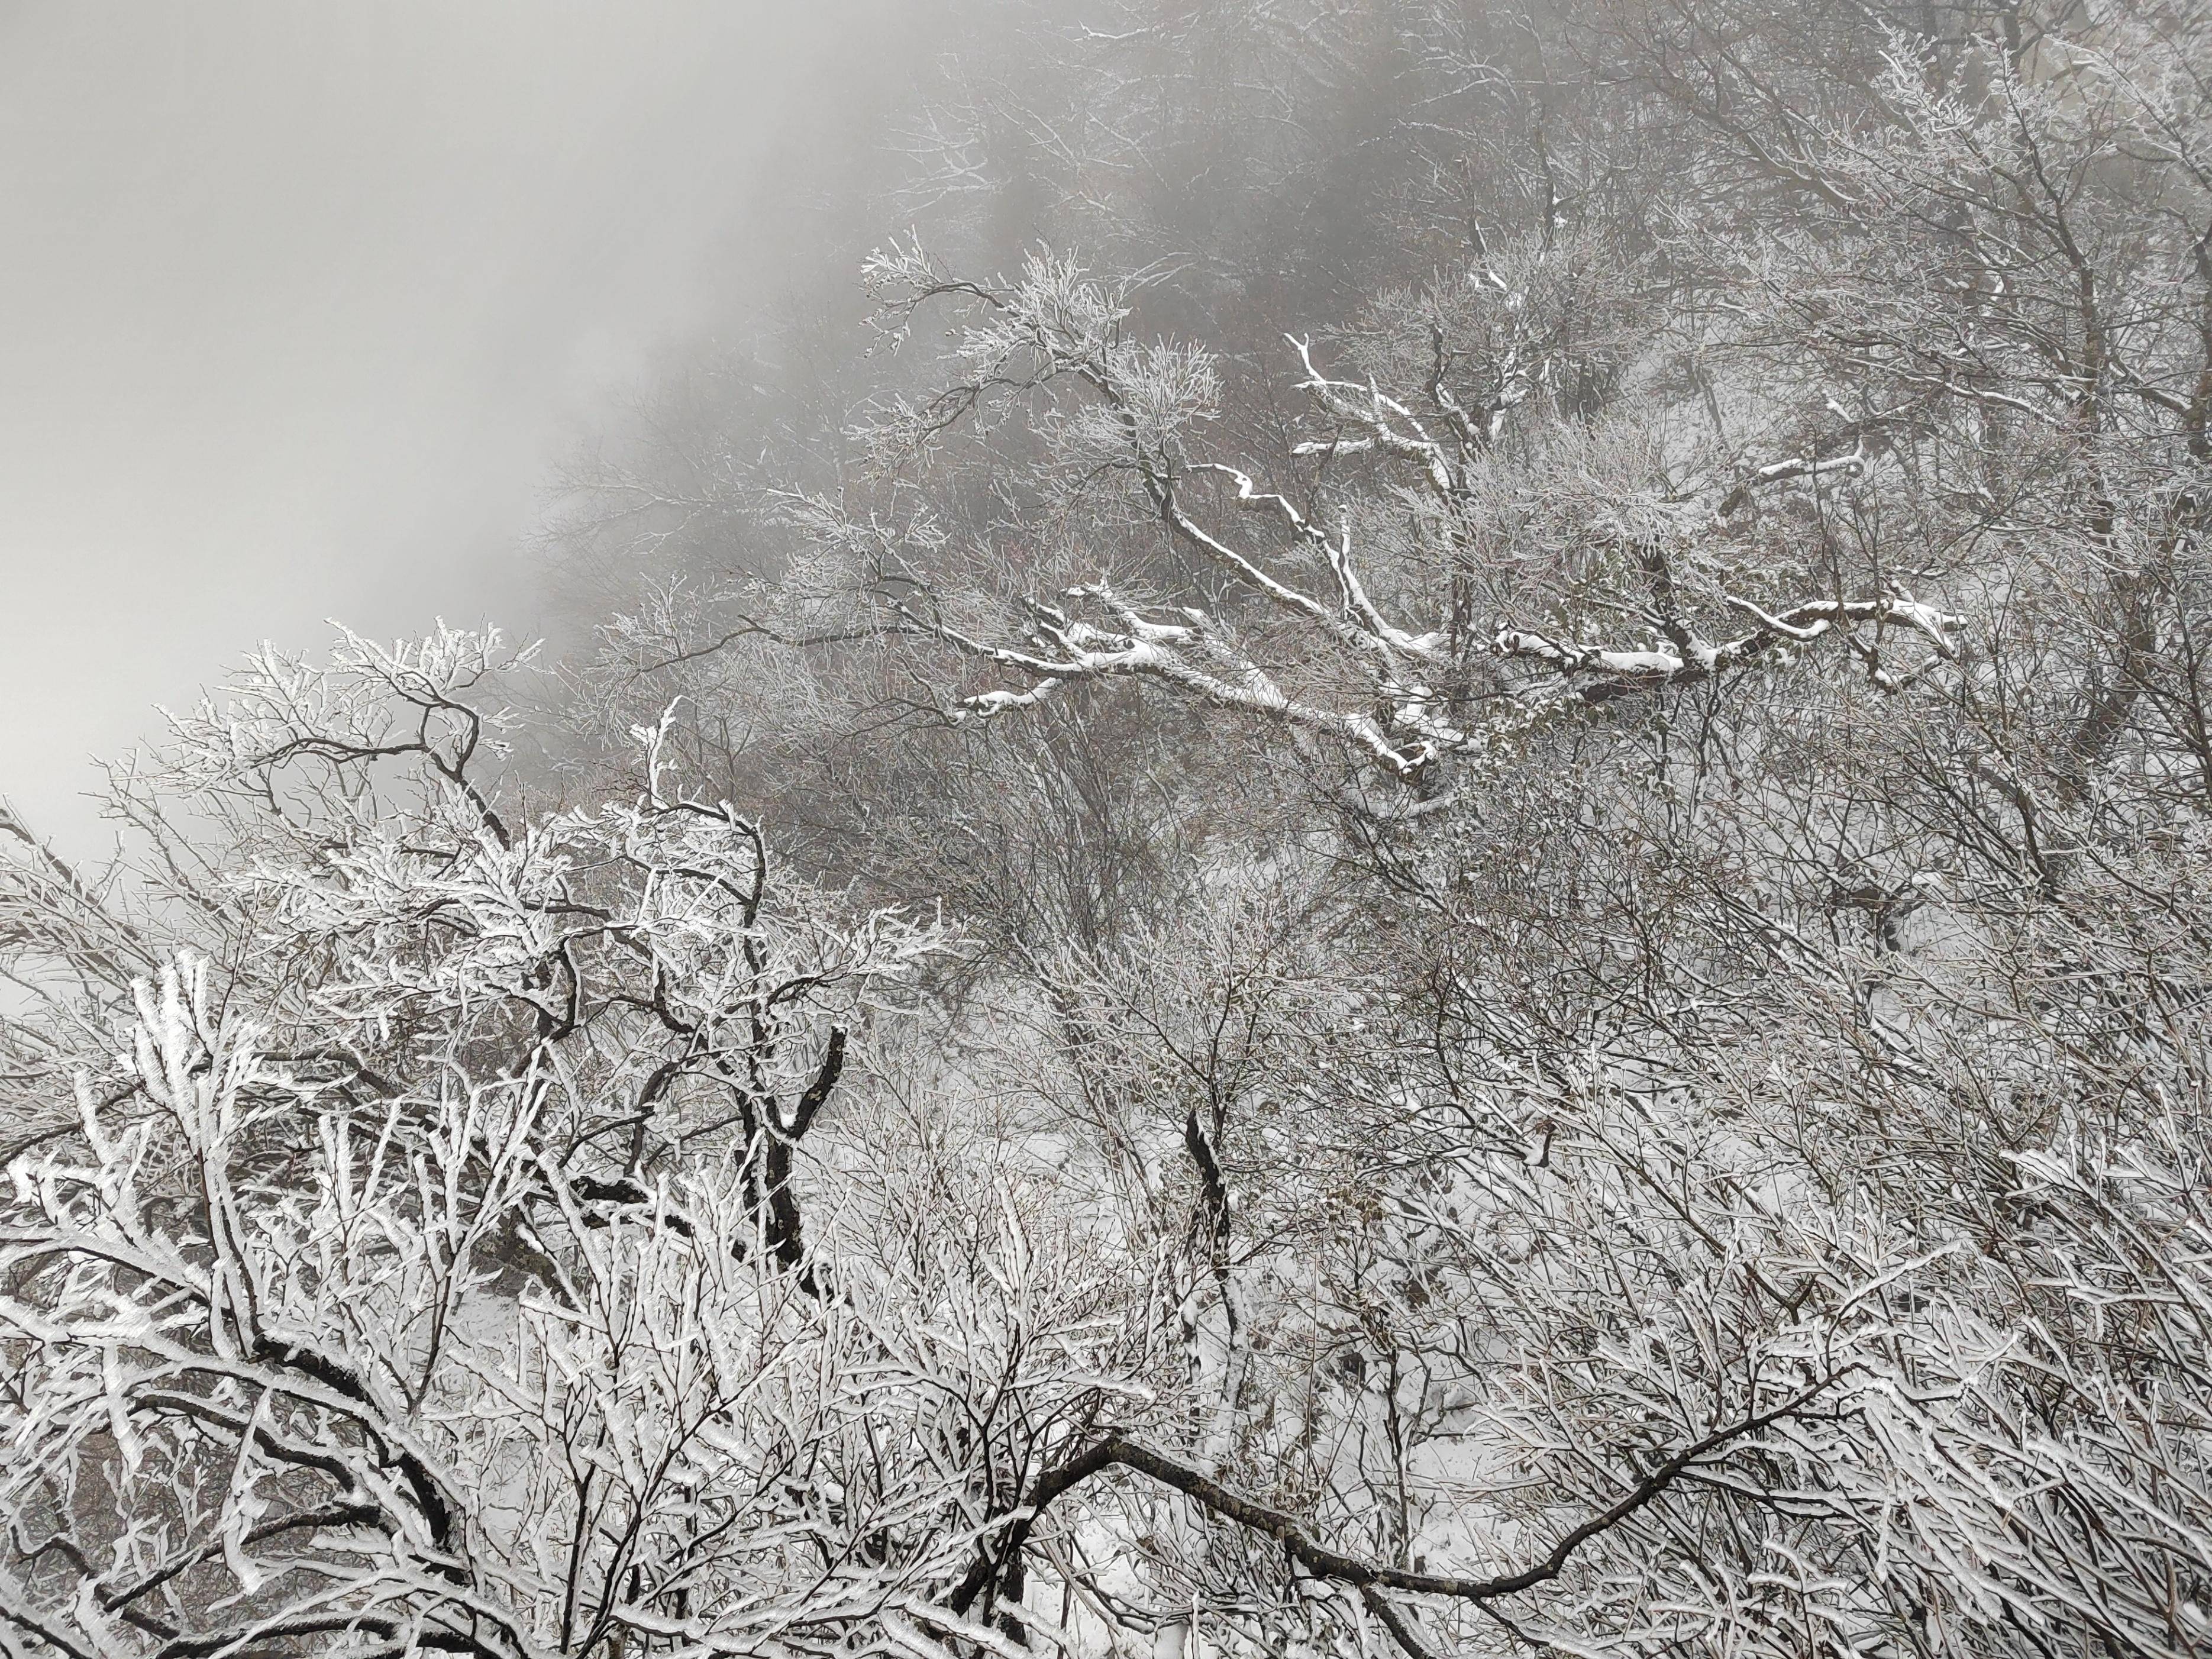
[{"x": 1116, "y": 1451}]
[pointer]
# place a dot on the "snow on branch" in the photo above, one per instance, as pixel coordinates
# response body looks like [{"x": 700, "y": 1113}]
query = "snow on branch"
[
  {"x": 1421, "y": 686},
  {"x": 1694, "y": 659}
]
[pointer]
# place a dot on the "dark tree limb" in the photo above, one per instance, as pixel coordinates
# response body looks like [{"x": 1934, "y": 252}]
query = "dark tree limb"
[{"x": 1323, "y": 1562}]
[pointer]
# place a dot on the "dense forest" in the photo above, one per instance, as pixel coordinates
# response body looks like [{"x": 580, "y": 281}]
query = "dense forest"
[{"x": 1398, "y": 842}]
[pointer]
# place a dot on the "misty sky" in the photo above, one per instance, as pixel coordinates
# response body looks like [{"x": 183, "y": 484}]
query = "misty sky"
[{"x": 302, "y": 299}]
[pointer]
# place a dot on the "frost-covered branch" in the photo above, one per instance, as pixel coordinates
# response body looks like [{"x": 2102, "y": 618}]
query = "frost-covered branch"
[{"x": 1425, "y": 691}]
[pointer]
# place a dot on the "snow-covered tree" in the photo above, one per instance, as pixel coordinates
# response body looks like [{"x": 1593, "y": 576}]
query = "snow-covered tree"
[{"x": 1509, "y": 809}]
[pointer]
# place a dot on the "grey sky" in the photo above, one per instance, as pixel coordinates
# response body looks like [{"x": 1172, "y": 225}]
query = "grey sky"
[{"x": 301, "y": 298}]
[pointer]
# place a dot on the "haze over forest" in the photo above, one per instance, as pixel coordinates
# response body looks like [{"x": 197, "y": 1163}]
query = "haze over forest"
[
  {"x": 1356, "y": 826},
  {"x": 311, "y": 301}
]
